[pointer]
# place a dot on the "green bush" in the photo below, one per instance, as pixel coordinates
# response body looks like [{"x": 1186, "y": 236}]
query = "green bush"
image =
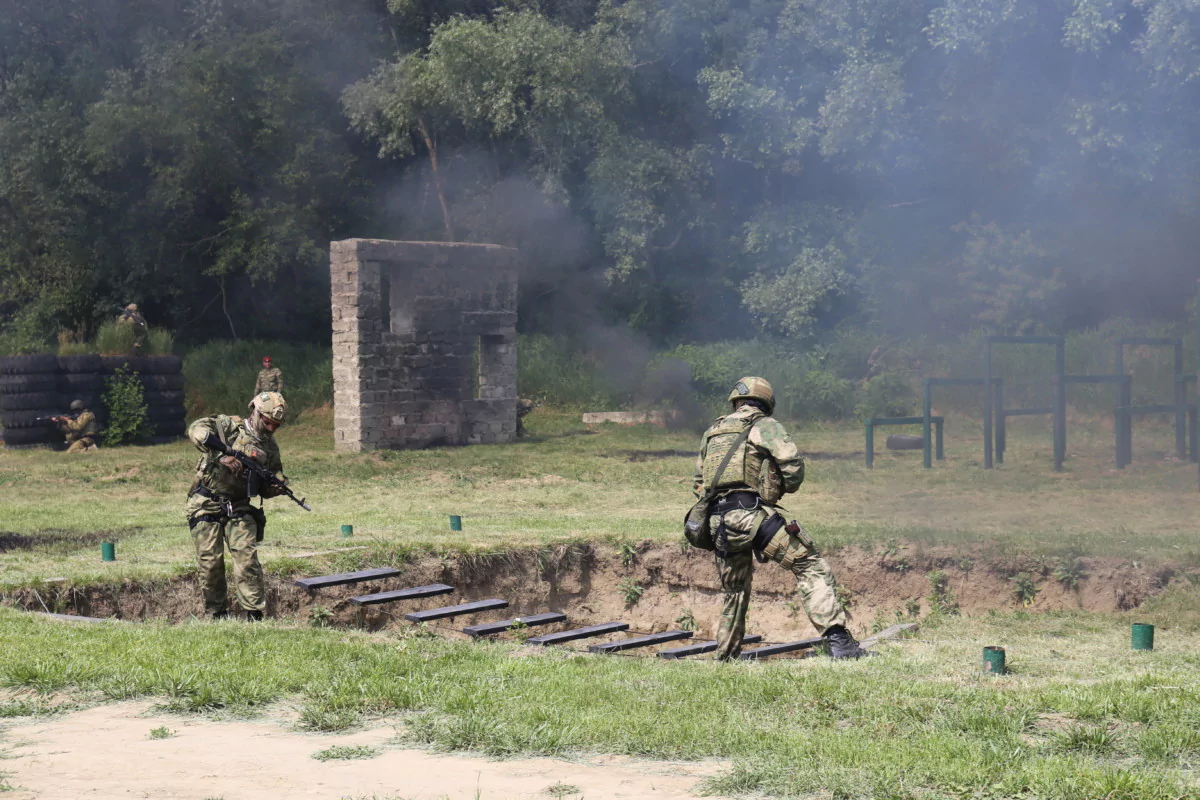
[
  {"x": 127, "y": 412},
  {"x": 890, "y": 394},
  {"x": 550, "y": 369},
  {"x": 220, "y": 376}
]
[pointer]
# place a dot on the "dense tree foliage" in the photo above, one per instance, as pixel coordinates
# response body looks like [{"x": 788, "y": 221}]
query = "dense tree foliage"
[{"x": 699, "y": 170}]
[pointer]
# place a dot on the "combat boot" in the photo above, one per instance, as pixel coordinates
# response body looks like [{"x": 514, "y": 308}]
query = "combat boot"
[
  {"x": 842, "y": 644},
  {"x": 254, "y": 615},
  {"x": 218, "y": 615}
]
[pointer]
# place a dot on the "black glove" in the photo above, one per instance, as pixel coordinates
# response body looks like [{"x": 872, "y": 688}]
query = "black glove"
[{"x": 214, "y": 443}]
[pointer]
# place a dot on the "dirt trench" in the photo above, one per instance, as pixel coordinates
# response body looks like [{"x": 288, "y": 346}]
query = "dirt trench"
[{"x": 655, "y": 587}]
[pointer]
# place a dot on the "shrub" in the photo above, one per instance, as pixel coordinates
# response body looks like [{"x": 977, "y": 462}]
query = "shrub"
[{"x": 127, "y": 413}]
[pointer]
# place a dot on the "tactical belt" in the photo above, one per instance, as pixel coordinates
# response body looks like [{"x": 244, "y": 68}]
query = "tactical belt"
[{"x": 746, "y": 501}]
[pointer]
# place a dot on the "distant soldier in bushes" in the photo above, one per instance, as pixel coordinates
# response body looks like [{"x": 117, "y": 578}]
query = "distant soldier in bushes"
[
  {"x": 751, "y": 462},
  {"x": 270, "y": 379},
  {"x": 524, "y": 406},
  {"x": 80, "y": 429},
  {"x": 218, "y": 507},
  {"x": 134, "y": 319}
]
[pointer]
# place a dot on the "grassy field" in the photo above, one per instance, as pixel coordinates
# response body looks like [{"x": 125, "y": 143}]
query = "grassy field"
[
  {"x": 565, "y": 483},
  {"x": 1079, "y": 717}
]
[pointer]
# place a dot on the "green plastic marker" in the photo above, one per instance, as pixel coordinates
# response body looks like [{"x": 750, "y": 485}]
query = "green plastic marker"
[
  {"x": 1143, "y": 636},
  {"x": 455, "y": 522},
  {"x": 347, "y": 531},
  {"x": 108, "y": 551},
  {"x": 993, "y": 660}
]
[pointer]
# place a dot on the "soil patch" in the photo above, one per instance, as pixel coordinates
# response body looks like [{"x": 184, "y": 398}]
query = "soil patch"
[
  {"x": 107, "y": 753},
  {"x": 655, "y": 587},
  {"x": 51, "y": 540}
]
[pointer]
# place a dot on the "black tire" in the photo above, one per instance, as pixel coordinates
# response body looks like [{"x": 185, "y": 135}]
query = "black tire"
[
  {"x": 27, "y": 400},
  {"x": 20, "y": 384},
  {"x": 110, "y": 364},
  {"x": 28, "y": 418},
  {"x": 174, "y": 398},
  {"x": 27, "y": 365},
  {"x": 42, "y": 446},
  {"x": 162, "y": 365},
  {"x": 173, "y": 428},
  {"x": 162, "y": 383},
  {"x": 74, "y": 383},
  {"x": 89, "y": 362},
  {"x": 30, "y": 436},
  {"x": 905, "y": 441},
  {"x": 158, "y": 414}
]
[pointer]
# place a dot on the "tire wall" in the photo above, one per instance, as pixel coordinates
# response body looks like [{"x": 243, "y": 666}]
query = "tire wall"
[{"x": 44, "y": 385}]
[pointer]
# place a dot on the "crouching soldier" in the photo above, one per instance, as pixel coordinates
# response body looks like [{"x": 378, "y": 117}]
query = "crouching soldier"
[
  {"x": 218, "y": 506},
  {"x": 80, "y": 429}
]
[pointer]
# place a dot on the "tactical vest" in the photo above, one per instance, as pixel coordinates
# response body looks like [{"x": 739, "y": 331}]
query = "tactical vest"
[
  {"x": 748, "y": 469},
  {"x": 216, "y": 477}
]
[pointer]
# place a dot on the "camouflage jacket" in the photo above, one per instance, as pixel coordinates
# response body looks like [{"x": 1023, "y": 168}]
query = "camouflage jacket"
[
  {"x": 269, "y": 380},
  {"x": 83, "y": 426},
  {"x": 237, "y": 433},
  {"x": 770, "y": 462}
]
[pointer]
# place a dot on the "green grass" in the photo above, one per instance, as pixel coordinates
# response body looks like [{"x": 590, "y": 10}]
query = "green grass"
[
  {"x": 1080, "y": 715},
  {"x": 345, "y": 753},
  {"x": 618, "y": 485}
]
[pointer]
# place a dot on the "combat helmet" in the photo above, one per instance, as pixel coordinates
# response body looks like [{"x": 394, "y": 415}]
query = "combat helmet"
[
  {"x": 751, "y": 388},
  {"x": 77, "y": 405},
  {"x": 270, "y": 405}
]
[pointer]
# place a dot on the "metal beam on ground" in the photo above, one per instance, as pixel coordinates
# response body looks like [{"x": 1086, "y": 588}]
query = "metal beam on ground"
[
  {"x": 777, "y": 649},
  {"x": 578, "y": 633},
  {"x": 641, "y": 641},
  {"x": 325, "y": 581},
  {"x": 699, "y": 648},
  {"x": 489, "y": 628},
  {"x": 456, "y": 611},
  {"x": 415, "y": 593}
]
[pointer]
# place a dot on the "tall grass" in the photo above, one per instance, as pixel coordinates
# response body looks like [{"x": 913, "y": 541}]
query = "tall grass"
[
  {"x": 220, "y": 375},
  {"x": 113, "y": 339}
]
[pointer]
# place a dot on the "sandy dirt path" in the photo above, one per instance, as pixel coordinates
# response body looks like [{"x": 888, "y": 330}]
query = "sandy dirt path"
[{"x": 106, "y": 752}]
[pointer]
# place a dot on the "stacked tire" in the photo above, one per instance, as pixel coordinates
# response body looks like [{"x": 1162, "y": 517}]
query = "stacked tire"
[
  {"x": 28, "y": 390},
  {"x": 162, "y": 386}
]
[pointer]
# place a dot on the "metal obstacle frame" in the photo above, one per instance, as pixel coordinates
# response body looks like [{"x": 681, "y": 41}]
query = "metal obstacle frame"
[
  {"x": 1126, "y": 410},
  {"x": 927, "y": 418},
  {"x": 1058, "y": 411}
]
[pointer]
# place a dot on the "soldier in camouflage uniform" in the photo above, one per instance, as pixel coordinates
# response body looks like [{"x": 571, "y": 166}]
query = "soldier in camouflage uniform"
[
  {"x": 524, "y": 407},
  {"x": 747, "y": 523},
  {"x": 134, "y": 319},
  {"x": 218, "y": 509},
  {"x": 80, "y": 430},
  {"x": 270, "y": 379}
]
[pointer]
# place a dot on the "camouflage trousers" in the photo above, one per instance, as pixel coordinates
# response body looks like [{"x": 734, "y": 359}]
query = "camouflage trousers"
[
  {"x": 814, "y": 580},
  {"x": 82, "y": 445},
  {"x": 212, "y": 531}
]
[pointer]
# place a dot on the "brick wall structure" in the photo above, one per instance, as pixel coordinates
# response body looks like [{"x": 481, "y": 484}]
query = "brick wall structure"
[{"x": 424, "y": 344}]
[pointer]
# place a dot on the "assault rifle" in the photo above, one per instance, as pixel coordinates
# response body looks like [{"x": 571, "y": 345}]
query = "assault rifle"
[
  {"x": 57, "y": 418},
  {"x": 257, "y": 476}
]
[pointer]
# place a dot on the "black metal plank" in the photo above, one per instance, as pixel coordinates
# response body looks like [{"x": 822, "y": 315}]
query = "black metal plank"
[
  {"x": 579, "y": 633},
  {"x": 641, "y": 641},
  {"x": 342, "y": 579},
  {"x": 488, "y": 628},
  {"x": 415, "y": 593},
  {"x": 456, "y": 611},
  {"x": 700, "y": 648},
  {"x": 786, "y": 647}
]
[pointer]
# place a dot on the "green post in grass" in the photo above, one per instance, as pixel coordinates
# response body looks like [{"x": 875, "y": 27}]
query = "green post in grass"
[
  {"x": 993, "y": 660},
  {"x": 1143, "y": 636},
  {"x": 108, "y": 551},
  {"x": 347, "y": 531},
  {"x": 455, "y": 522}
]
